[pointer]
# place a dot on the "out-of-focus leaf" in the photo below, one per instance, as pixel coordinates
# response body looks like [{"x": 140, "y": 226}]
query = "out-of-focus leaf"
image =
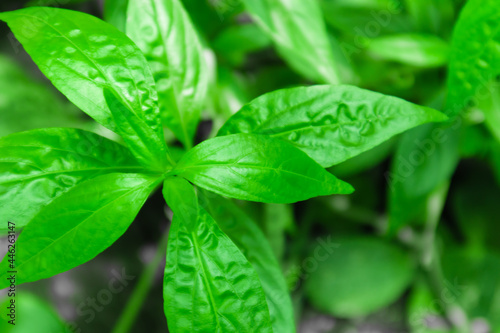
[
  {"x": 412, "y": 49},
  {"x": 473, "y": 280},
  {"x": 330, "y": 123},
  {"x": 38, "y": 166},
  {"x": 245, "y": 234},
  {"x": 425, "y": 312},
  {"x": 146, "y": 145},
  {"x": 358, "y": 277},
  {"x": 236, "y": 41},
  {"x": 77, "y": 226},
  {"x": 257, "y": 168},
  {"x": 299, "y": 33},
  {"x": 23, "y": 97},
  {"x": 115, "y": 13},
  {"x": 31, "y": 315},
  {"x": 425, "y": 158},
  {"x": 164, "y": 32},
  {"x": 475, "y": 55},
  {"x": 208, "y": 284},
  {"x": 81, "y": 55},
  {"x": 277, "y": 220},
  {"x": 489, "y": 105},
  {"x": 431, "y": 16}
]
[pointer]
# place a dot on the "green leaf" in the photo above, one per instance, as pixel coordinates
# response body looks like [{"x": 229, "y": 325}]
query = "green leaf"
[
  {"x": 166, "y": 35},
  {"x": 418, "y": 50},
  {"x": 475, "y": 55},
  {"x": 77, "y": 226},
  {"x": 147, "y": 146},
  {"x": 359, "y": 276},
  {"x": 425, "y": 158},
  {"x": 247, "y": 236},
  {"x": 431, "y": 16},
  {"x": 330, "y": 123},
  {"x": 257, "y": 168},
  {"x": 208, "y": 284},
  {"x": 41, "y": 319},
  {"x": 299, "y": 33},
  {"x": 115, "y": 13},
  {"x": 40, "y": 165},
  {"x": 81, "y": 55}
]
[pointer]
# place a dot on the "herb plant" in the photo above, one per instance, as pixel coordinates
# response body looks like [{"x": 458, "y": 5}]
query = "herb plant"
[{"x": 74, "y": 192}]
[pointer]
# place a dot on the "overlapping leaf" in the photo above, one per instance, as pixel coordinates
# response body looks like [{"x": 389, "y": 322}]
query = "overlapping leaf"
[
  {"x": 38, "y": 166},
  {"x": 209, "y": 285},
  {"x": 330, "y": 123},
  {"x": 164, "y": 32},
  {"x": 257, "y": 168}
]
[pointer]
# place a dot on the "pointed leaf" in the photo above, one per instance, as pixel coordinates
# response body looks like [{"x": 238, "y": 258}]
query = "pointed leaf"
[
  {"x": 330, "y": 123},
  {"x": 81, "y": 54},
  {"x": 164, "y": 32},
  {"x": 38, "y": 166},
  {"x": 208, "y": 284},
  {"x": 77, "y": 226},
  {"x": 257, "y": 168}
]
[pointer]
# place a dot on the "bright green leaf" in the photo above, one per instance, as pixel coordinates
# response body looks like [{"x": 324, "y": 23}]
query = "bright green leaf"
[
  {"x": 360, "y": 276},
  {"x": 330, "y": 123},
  {"x": 245, "y": 234},
  {"x": 299, "y": 33},
  {"x": 257, "y": 168},
  {"x": 475, "y": 54},
  {"x": 147, "y": 146},
  {"x": 209, "y": 284},
  {"x": 164, "y": 32},
  {"x": 115, "y": 13},
  {"x": 77, "y": 226},
  {"x": 81, "y": 55},
  {"x": 38, "y": 166}
]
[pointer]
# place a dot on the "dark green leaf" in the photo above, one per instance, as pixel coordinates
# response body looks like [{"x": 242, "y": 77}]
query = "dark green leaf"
[
  {"x": 115, "y": 13},
  {"x": 358, "y": 277},
  {"x": 475, "y": 54},
  {"x": 77, "y": 226},
  {"x": 299, "y": 33},
  {"x": 146, "y": 145},
  {"x": 164, "y": 32},
  {"x": 245, "y": 234},
  {"x": 257, "y": 168},
  {"x": 330, "y": 123},
  {"x": 209, "y": 284},
  {"x": 38, "y": 166},
  {"x": 81, "y": 55}
]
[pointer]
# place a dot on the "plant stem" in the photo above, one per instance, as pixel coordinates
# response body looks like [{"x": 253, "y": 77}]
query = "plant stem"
[{"x": 141, "y": 290}]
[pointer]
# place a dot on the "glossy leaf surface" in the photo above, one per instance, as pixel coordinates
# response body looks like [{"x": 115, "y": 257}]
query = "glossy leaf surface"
[
  {"x": 358, "y": 277},
  {"x": 38, "y": 166},
  {"x": 209, "y": 284},
  {"x": 257, "y": 168},
  {"x": 166, "y": 35},
  {"x": 77, "y": 226},
  {"x": 330, "y": 123},
  {"x": 475, "y": 60},
  {"x": 248, "y": 237},
  {"x": 299, "y": 33},
  {"x": 81, "y": 54},
  {"x": 148, "y": 147}
]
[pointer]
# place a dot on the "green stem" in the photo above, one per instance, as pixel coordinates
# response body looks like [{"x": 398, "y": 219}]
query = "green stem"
[{"x": 141, "y": 290}]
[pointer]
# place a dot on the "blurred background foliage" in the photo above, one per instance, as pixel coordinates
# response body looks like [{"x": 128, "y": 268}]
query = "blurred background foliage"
[{"x": 419, "y": 256}]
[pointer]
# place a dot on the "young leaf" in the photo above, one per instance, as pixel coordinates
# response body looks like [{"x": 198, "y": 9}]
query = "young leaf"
[
  {"x": 475, "y": 55},
  {"x": 299, "y": 33},
  {"x": 208, "y": 284},
  {"x": 418, "y": 50},
  {"x": 247, "y": 236},
  {"x": 163, "y": 31},
  {"x": 330, "y": 123},
  {"x": 359, "y": 276},
  {"x": 81, "y": 54},
  {"x": 257, "y": 168},
  {"x": 77, "y": 226},
  {"x": 38, "y": 166},
  {"x": 147, "y": 146}
]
